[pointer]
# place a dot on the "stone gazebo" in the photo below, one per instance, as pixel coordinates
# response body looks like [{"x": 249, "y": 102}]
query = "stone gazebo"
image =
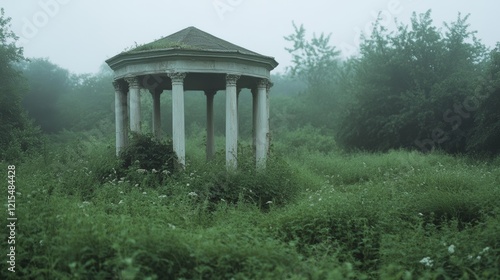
[{"x": 191, "y": 59}]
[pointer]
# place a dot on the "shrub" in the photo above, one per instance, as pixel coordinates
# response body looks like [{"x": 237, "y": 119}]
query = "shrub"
[
  {"x": 146, "y": 152},
  {"x": 275, "y": 185},
  {"x": 149, "y": 152}
]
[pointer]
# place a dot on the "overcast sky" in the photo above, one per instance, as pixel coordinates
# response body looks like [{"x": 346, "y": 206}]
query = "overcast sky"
[{"x": 80, "y": 34}]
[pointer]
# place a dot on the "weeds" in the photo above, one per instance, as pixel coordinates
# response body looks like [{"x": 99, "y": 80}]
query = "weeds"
[{"x": 399, "y": 215}]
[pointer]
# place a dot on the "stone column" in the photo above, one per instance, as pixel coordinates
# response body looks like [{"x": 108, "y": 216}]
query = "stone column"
[
  {"x": 262, "y": 127},
  {"x": 210, "y": 124},
  {"x": 156, "y": 126},
  {"x": 135, "y": 103},
  {"x": 231, "y": 122},
  {"x": 254, "y": 118},
  {"x": 178, "y": 127},
  {"x": 120, "y": 117},
  {"x": 268, "y": 126}
]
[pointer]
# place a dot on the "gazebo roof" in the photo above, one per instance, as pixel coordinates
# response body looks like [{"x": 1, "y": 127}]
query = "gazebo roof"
[
  {"x": 191, "y": 50},
  {"x": 192, "y": 38}
]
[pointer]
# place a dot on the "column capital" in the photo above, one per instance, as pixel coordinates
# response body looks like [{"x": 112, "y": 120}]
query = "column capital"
[
  {"x": 231, "y": 79},
  {"x": 118, "y": 86},
  {"x": 263, "y": 83},
  {"x": 177, "y": 77},
  {"x": 133, "y": 82},
  {"x": 269, "y": 85}
]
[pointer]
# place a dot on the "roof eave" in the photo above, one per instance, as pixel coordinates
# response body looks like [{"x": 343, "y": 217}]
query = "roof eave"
[{"x": 125, "y": 58}]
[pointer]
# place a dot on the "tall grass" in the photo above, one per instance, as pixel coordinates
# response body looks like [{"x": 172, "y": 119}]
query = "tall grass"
[{"x": 311, "y": 215}]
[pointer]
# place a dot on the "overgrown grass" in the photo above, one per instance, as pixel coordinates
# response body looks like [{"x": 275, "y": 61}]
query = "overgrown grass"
[{"x": 310, "y": 215}]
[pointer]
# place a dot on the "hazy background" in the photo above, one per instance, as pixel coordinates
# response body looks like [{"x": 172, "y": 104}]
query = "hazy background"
[{"x": 80, "y": 35}]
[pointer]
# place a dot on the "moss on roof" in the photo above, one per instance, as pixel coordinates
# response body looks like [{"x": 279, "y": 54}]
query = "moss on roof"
[{"x": 192, "y": 38}]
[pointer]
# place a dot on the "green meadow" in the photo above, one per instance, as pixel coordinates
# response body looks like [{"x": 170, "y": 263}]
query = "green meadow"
[{"x": 309, "y": 215}]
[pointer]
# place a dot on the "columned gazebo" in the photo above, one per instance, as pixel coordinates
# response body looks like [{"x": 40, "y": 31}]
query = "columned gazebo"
[{"x": 193, "y": 60}]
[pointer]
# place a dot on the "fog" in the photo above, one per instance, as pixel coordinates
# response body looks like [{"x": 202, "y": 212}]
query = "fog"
[{"x": 80, "y": 35}]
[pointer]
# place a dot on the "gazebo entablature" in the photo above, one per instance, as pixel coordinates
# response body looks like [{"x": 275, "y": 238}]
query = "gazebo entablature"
[{"x": 180, "y": 70}]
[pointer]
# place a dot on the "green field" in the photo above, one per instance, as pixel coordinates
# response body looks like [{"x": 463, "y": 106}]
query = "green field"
[{"x": 310, "y": 215}]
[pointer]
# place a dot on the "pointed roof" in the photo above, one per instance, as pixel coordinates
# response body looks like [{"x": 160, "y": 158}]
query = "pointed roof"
[{"x": 192, "y": 38}]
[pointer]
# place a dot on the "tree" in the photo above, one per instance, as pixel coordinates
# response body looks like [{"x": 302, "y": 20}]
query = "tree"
[
  {"x": 485, "y": 137},
  {"x": 318, "y": 64},
  {"x": 89, "y": 104},
  {"x": 17, "y": 133},
  {"x": 47, "y": 83},
  {"x": 409, "y": 85}
]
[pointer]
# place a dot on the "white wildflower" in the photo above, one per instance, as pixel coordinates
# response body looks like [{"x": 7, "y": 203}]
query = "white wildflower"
[
  {"x": 121, "y": 192},
  {"x": 85, "y": 203},
  {"x": 144, "y": 193},
  {"x": 427, "y": 261},
  {"x": 187, "y": 185},
  {"x": 154, "y": 171},
  {"x": 142, "y": 171},
  {"x": 136, "y": 185},
  {"x": 420, "y": 214},
  {"x": 478, "y": 258},
  {"x": 192, "y": 194},
  {"x": 451, "y": 249}
]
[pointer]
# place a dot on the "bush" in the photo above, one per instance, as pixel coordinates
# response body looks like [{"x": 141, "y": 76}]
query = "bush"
[
  {"x": 148, "y": 153},
  {"x": 212, "y": 183}
]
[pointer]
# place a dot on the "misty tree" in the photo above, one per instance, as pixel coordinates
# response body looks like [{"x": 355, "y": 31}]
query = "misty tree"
[
  {"x": 47, "y": 83},
  {"x": 485, "y": 136},
  {"x": 89, "y": 104},
  {"x": 409, "y": 86},
  {"x": 317, "y": 63},
  {"x": 17, "y": 133}
]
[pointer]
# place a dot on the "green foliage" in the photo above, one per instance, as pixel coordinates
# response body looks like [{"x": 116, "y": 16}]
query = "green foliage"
[
  {"x": 314, "y": 60},
  {"x": 485, "y": 135},
  {"x": 307, "y": 138},
  {"x": 147, "y": 153},
  {"x": 211, "y": 183},
  {"x": 333, "y": 216},
  {"x": 317, "y": 64},
  {"x": 17, "y": 133},
  {"x": 411, "y": 86},
  {"x": 47, "y": 83},
  {"x": 89, "y": 93}
]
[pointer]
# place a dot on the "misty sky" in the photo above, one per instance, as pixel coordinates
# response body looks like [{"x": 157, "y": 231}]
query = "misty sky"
[{"x": 79, "y": 35}]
